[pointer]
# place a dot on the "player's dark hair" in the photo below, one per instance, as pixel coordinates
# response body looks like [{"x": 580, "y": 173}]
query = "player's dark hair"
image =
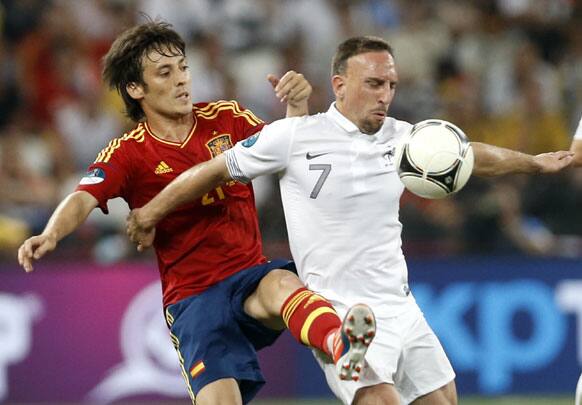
[
  {"x": 123, "y": 64},
  {"x": 355, "y": 46}
]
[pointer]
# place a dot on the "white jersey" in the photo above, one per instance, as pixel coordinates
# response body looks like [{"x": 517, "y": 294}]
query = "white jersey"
[
  {"x": 578, "y": 134},
  {"x": 340, "y": 194}
]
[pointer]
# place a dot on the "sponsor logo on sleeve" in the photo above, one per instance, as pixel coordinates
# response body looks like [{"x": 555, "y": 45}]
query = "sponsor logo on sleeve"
[{"x": 94, "y": 176}]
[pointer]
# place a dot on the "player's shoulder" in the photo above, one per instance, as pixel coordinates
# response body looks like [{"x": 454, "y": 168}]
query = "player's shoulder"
[
  {"x": 224, "y": 109},
  {"x": 294, "y": 124},
  {"x": 124, "y": 144}
]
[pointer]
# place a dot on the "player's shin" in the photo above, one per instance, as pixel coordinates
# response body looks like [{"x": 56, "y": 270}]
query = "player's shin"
[{"x": 311, "y": 320}]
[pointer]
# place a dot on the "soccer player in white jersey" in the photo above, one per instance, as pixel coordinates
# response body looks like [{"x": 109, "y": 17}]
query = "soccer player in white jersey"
[
  {"x": 577, "y": 145},
  {"x": 340, "y": 193}
]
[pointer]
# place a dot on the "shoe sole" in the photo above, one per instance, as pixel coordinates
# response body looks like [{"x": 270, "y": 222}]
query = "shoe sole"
[{"x": 358, "y": 331}]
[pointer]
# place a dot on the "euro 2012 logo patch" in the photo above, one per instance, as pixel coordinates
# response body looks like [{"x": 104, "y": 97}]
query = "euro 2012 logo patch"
[
  {"x": 219, "y": 144},
  {"x": 251, "y": 140},
  {"x": 94, "y": 176}
]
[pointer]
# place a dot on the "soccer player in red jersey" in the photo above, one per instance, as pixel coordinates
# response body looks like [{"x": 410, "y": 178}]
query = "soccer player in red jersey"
[{"x": 223, "y": 300}]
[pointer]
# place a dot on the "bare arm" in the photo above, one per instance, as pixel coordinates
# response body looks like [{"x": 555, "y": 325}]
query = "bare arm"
[
  {"x": 495, "y": 161},
  {"x": 70, "y": 213},
  {"x": 294, "y": 89},
  {"x": 577, "y": 149},
  {"x": 188, "y": 186}
]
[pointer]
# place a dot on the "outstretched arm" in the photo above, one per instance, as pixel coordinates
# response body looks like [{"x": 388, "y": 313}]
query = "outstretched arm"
[
  {"x": 70, "y": 213},
  {"x": 495, "y": 161},
  {"x": 577, "y": 145},
  {"x": 294, "y": 89},
  {"x": 577, "y": 149},
  {"x": 188, "y": 186}
]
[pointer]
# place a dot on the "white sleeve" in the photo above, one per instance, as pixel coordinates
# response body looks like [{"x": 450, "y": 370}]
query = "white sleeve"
[
  {"x": 578, "y": 134},
  {"x": 265, "y": 152}
]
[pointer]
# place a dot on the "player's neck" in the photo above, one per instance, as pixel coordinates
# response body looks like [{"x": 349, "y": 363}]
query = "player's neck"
[{"x": 171, "y": 129}]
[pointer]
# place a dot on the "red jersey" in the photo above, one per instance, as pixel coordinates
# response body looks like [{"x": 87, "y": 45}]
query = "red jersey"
[{"x": 200, "y": 243}]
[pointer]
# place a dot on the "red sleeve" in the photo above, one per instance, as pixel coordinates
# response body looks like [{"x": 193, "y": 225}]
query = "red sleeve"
[
  {"x": 107, "y": 177},
  {"x": 246, "y": 123}
]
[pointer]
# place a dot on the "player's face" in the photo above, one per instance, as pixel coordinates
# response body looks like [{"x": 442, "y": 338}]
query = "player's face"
[
  {"x": 168, "y": 83},
  {"x": 365, "y": 91}
]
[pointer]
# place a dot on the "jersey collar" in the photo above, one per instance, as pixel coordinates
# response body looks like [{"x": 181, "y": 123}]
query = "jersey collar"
[
  {"x": 178, "y": 144},
  {"x": 336, "y": 116}
]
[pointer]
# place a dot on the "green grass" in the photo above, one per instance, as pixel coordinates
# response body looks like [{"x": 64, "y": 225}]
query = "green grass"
[{"x": 561, "y": 400}]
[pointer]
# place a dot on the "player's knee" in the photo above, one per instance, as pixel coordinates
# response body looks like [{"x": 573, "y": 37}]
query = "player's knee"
[
  {"x": 445, "y": 395},
  {"x": 380, "y": 394},
  {"x": 279, "y": 284},
  {"x": 273, "y": 291},
  {"x": 220, "y": 392},
  {"x": 287, "y": 282},
  {"x": 450, "y": 393}
]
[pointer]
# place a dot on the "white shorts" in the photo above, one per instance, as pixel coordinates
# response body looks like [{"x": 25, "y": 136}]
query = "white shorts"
[{"x": 405, "y": 353}]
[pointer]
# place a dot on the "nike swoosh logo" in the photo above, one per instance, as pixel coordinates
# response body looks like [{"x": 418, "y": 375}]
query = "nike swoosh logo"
[{"x": 310, "y": 156}]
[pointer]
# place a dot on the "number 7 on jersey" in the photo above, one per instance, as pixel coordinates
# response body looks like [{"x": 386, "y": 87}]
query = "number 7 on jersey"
[{"x": 325, "y": 169}]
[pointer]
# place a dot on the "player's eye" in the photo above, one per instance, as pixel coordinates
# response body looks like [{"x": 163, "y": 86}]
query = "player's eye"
[
  {"x": 184, "y": 68},
  {"x": 374, "y": 83}
]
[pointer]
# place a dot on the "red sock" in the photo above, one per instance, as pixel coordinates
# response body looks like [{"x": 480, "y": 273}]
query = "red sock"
[{"x": 310, "y": 318}]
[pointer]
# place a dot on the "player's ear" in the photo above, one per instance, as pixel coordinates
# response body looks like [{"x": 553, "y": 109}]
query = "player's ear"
[
  {"x": 135, "y": 90},
  {"x": 338, "y": 85}
]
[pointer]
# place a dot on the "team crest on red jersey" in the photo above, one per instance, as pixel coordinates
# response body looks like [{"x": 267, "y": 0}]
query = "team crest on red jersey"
[{"x": 219, "y": 144}]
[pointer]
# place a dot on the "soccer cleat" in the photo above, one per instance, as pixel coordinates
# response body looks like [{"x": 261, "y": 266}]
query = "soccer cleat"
[{"x": 352, "y": 340}]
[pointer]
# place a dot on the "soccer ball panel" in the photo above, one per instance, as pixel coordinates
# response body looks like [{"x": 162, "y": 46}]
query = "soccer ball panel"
[
  {"x": 423, "y": 187},
  {"x": 435, "y": 159}
]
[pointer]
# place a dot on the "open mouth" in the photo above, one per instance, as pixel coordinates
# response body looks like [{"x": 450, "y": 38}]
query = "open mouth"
[{"x": 183, "y": 96}]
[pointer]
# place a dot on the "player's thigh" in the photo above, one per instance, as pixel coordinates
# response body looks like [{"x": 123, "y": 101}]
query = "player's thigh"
[
  {"x": 220, "y": 392},
  {"x": 380, "y": 394},
  {"x": 446, "y": 395},
  {"x": 424, "y": 367},
  {"x": 265, "y": 303}
]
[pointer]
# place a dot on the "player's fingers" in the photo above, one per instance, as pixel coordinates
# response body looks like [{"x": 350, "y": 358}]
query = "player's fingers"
[
  {"x": 565, "y": 154},
  {"x": 28, "y": 246},
  {"x": 286, "y": 90},
  {"x": 27, "y": 264},
  {"x": 273, "y": 80},
  {"x": 24, "y": 258},
  {"x": 145, "y": 242},
  {"x": 287, "y": 81},
  {"x": 300, "y": 94},
  {"x": 21, "y": 254},
  {"x": 289, "y": 75},
  {"x": 42, "y": 249}
]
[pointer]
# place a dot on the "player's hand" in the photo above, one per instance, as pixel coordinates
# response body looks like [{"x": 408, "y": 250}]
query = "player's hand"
[
  {"x": 139, "y": 231},
  {"x": 292, "y": 88},
  {"x": 553, "y": 162},
  {"x": 33, "y": 249}
]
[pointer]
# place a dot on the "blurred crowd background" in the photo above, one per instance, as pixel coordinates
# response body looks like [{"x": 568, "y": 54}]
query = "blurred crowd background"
[{"x": 508, "y": 72}]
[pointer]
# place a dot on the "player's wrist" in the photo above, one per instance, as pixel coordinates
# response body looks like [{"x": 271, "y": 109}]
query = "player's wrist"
[
  {"x": 50, "y": 236},
  {"x": 149, "y": 217}
]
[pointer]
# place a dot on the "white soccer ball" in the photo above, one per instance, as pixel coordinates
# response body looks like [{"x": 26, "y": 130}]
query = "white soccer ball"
[{"x": 435, "y": 159}]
